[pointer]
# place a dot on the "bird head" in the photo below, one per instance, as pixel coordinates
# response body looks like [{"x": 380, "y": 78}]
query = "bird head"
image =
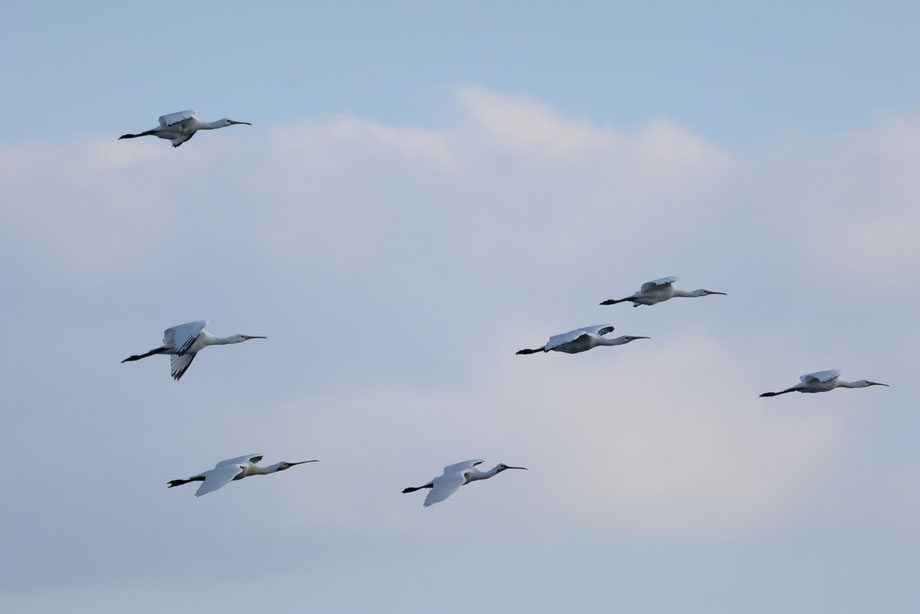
[
  {"x": 229, "y": 122},
  {"x": 503, "y": 466},
  {"x": 242, "y": 338},
  {"x": 286, "y": 465}
]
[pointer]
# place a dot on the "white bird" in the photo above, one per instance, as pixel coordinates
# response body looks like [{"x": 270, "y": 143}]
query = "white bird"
[
  {"x": 233, "y": 469},
  {"x": 657, "y": 291},
  {"x": 454, "y": 477},
  {"x": 823, "y": 381},
  {"x": 582, "y": 340},
  {"x": 181, "y": 126},
  {"x": 184, "y": 341}
]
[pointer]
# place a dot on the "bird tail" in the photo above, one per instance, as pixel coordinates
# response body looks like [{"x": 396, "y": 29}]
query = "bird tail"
[
  {"x": 526, "y": 351},
  {"x": 134, "y": 136}
]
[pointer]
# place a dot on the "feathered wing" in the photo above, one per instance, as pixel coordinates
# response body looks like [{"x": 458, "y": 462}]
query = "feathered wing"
[
  {"x": 249, "y": 458},
  {"x": 182, "y": 336},
  {"x": 820, "y": 376},
  {"x": 462, "y": 466},
  {"x": 218, "y": 478},
  {"x": 175, "y": 118},
  {"x": 572, "y": 335},
  {"x": 445, "y": 485},
  {"x": 179, "y": 364},
  {"x": 651, "y": 285}
]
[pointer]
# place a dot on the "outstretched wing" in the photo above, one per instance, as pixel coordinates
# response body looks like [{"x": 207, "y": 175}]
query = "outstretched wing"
[
  {"x": 175, "y": 118},
  {"x": 446, "y": 485},
  {"x": 651, "y": 285},
  {"x": 572, "y": 335},
  {"x": 462, "y": 466},
  {"x": 820, "y": 376},
  {"x": 249, "y": 458},
  {"x": 218, "y": 478},
  {"x": 179, "y": 364},
  {"x": 181, "y": 337}
]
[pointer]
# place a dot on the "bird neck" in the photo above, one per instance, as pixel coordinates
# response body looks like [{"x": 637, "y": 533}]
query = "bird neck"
[
  {"x": 212, "y": 340},
  {"x": 857, "y": 384},
  {"x": 210, "y": 125},
  {"x": 483, "y": 475},
  {"x": 694, "y": 293},
  {"x": 615, "y": 341},
  {"x": 266, "y": 470}
]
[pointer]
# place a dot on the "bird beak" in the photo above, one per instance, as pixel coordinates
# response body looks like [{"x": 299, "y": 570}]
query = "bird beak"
[
  {"x": 510, "y": 467},
  {"x": 233, "y": 122},
  {"x": 253, "y": 337},
  {"x": 876, "y": 384},
  {"x": 640, "y": 337},
  {"x": 302, "y": 462},
  {"x": 711, "y": 292}
]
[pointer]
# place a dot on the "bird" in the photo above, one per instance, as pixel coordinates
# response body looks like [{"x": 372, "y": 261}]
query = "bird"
[
  {"x": 181, "y": 126},
  {"x": 823, "y": 381},
  {"x": 653, "y": 292},
  {"x": 184, "y": 341},
  {"x": 581, "y": 340},
  {"x": 454, "y": 477},
  {"x": 232, "y": 469}
]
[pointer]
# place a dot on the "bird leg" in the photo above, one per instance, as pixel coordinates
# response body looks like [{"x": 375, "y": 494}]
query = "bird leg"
[
  {"x": 414, "y": 488},
  {"x": 134, "y": 136},
  {"x": 530, "y": 351},
  {"x": 773, "y": 394},
  {"x": 614, "y": 301},
  {"x": 159, "y": 350},
  {"x": 181, "y": 482}
]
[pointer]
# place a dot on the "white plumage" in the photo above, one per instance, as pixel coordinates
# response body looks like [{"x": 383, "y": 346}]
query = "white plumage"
[
  {"x": 823, "y": 381},
  {"x": 232, "y": 469},
  {"x": 454, "y": 477},
  {"x": 581, "y": 340},
  {"x": 657, "y": 291},
  {"x": 180, "y": 126}
]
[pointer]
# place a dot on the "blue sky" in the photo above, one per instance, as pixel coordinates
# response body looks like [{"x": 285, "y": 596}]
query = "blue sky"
[
  {"x": 424, "y": 191},
  {"x": 739, "y": 73}
]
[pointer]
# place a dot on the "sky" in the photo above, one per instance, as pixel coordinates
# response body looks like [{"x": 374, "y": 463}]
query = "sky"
[{"x": 424, "y": 191}]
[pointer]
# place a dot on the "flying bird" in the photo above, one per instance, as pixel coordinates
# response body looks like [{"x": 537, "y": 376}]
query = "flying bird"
[
  {"x": 181, "y": 126},
  {"x": 582, "y": 340},
  {"x": 657, "y": 291},
  {"x": 184, "y": 341},
  {"x": 232, "y": 469},
  {"x": 454, "y": 477},
  {"x": 823, "y": 381}
]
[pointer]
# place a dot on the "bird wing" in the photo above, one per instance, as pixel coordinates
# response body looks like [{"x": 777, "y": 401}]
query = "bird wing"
[
  {"x": 461, "y": 466},
  {"x": 218, "y": 478},
  {"x": 651, "y": 285},
  {"x": 572, "y": 335},
  {"x": 181, "y": 337},
  {"x": 249, "y": 458},
  {"x": 175, "y": 118},
  {"x": 179, "y": 364},
  {"x": 447, "y": 484},
  {"x": 820, "y": 376}
]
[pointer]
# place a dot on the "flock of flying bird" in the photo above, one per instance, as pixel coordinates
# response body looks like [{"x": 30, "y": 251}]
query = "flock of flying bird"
[{"x": 183, "y": 342}]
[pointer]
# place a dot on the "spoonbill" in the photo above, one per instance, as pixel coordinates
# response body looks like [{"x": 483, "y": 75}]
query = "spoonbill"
[
  {"x": 657, "y": 291},
  {"x": 184, "y": 341},
  {"x": 582, "y": 340},
  {"x": 233, "y": 469},
  {"x": 181, "y": 126},
  {"x": 454, "y": 477},
  {"x": 823, "y": 381}
]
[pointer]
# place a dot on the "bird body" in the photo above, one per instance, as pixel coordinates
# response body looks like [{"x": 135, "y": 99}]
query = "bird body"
[
  {"x": 454, "y": 477},
  {"x": 582, "y": 340},
  {"x": 183, "y": 342},
  {"x": 657, "y": 291},
  {"x": 181, "y": 126},
  {"x": 823, "y": 381},
  {"x": 232, "y": 469}
]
